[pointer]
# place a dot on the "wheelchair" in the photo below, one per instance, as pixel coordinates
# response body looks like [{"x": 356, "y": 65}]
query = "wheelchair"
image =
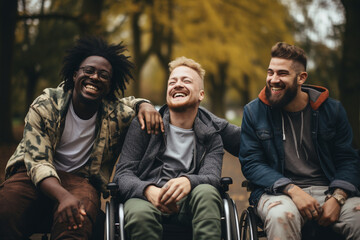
[
  {"x": 252, "y": 228},
  {"x": 114, "y": 222}
]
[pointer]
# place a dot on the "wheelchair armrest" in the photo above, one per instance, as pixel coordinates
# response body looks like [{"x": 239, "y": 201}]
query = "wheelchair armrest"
[
  {"x": 112, "y": 187},
  {"x": 249, "y": 186},
  {"x": 225, "y": 182}
]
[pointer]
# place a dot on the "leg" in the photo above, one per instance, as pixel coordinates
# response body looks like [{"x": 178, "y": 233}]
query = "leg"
[
  {"x": 89, "y": 197},
  {"x": 280, "y": 216},
  {"x": 349, "y": 221},
  {"x": 142, "y": 220},
  {"x": 22, "y": 207},
  {"x": 204, "y": 204}
]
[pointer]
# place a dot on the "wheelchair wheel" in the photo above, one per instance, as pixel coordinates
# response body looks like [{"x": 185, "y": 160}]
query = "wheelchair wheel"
[
  {"x": 231, "y": 219},
  {"x": 248, "y": 226},
  {"x": 110, "y": 228}
]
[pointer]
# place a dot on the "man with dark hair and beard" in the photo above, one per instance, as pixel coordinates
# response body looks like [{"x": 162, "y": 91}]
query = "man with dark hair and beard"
[
  {"x": 295, "y": 147},
  {"x": 72, "y": 138}
]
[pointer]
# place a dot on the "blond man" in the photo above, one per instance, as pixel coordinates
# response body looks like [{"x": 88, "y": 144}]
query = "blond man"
[{"x": 174, "y": 177}]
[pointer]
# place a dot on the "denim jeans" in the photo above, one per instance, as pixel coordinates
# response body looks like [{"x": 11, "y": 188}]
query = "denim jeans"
[{"x": 282, "y": 220}]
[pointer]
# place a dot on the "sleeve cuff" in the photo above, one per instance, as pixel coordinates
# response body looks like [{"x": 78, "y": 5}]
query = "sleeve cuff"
[
  {"x": 346, "y": 186},
  {"x": 40, "y": 172},
  {"x": 137, "y": 105},
  {"x": 279, "y": 185}
]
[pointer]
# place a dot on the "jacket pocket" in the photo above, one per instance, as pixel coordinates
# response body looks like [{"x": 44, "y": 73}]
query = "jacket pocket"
[{"x": 264, "y": 135}]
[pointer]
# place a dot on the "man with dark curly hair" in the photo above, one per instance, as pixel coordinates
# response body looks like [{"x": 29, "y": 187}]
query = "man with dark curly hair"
[{"x": 72, "y": 138}]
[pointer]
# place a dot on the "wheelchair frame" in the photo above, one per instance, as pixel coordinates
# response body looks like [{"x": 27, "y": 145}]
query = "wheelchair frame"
[{"x": 114, "y": 227}]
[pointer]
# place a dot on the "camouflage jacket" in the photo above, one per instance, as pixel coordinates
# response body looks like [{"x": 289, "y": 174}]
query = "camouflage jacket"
[{"x": 44, "y": 124}]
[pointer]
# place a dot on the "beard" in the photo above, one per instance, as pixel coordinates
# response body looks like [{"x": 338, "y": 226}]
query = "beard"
[
  {"x": 182, "y": 107},
  {"x": 289, "y": 95}
]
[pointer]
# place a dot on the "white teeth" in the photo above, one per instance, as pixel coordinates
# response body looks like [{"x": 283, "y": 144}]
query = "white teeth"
[
  {"x": 276, "y": 89},
  {"x": 179, "y": 95},
  {"x": 91, "y": 87}
]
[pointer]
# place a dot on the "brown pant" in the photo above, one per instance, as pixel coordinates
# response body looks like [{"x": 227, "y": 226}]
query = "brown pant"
[{"x": 24, "y": 209}]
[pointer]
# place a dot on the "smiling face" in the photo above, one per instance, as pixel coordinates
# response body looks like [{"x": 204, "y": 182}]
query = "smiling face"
[
  {"x": 282, "y": 82},
  {"x": 185, "y": 89},
  {"x": 90, "y": 88}
]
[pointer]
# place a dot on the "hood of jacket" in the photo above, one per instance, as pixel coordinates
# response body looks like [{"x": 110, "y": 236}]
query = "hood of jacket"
[{"x": 317, "y": 95}]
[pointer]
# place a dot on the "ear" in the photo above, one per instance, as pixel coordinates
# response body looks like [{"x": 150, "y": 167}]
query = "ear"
[
  {"x": 301, "y": 79},
  {"x": 201, "y": 95},
  {"x": 74, "y": 76}
]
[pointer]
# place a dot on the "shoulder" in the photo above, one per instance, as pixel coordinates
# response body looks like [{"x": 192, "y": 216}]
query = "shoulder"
[
  {"x": 255, "y": 109},
  {"x": 331, "y": 107},
  {"x": 51, "y": 99},
  {"x": 256, "y": 103},
  {"x": 118, "y": 110}
]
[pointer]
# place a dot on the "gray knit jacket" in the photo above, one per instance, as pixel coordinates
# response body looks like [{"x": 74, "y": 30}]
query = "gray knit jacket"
[{"x": 140, "y": 157}]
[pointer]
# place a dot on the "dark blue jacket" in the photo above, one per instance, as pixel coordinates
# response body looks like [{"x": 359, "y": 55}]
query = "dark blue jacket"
[{"x": 262, "y": 152}]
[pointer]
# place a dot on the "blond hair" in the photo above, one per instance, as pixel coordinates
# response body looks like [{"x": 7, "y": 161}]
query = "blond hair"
[{"x": 183, "y": 61}]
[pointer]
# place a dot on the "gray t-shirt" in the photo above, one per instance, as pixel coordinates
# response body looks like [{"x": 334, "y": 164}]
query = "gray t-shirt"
[
  {"x": 301, "y": 162},
  {"x": 179, "y": 154}
]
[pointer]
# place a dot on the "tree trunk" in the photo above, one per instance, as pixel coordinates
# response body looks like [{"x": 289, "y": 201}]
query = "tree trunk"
[
  {"x": 218, "y": 88},
  {"x": 349, "y": 83},
  {"x": 32, "y": 80},
  {"x": 91, "y": 16},
  {"x": 7, "y": 35},
  {"x": 136, "y": 36}
]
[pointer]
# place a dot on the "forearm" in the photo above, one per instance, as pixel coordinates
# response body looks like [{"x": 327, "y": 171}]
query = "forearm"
[
  {"x": 52, "y": 188},
  {"x": 133, "y": 102}
]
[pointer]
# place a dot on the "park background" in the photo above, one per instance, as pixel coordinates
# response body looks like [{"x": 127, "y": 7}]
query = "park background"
[{"x": 230, "y": 38}]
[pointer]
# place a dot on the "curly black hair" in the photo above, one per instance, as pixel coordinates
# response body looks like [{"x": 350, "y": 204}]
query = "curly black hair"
[{"x": 95, "y": 46}]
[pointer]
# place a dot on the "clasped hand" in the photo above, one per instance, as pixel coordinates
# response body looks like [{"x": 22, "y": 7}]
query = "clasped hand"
[
  {"x": 310, "y": 208},
  {"x": 165, "y": 198},
  {"x": 71, "y": 212}
]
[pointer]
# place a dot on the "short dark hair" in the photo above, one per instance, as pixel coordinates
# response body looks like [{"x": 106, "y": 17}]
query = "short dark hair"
[
  {"x": 95, "y": 46},
  {"x": 290, "y": 52}
]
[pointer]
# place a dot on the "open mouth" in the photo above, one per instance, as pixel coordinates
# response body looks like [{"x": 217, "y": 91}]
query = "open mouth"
[
  {"x": 276, "y": 89},
  {"x": 179, "y": 95},
  {"x": 91, "y": 88}
]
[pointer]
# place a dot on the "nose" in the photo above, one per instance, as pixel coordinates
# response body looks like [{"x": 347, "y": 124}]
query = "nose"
[
  {"x": 179, "y": 84},
  {"x": 95, "y": 75},
  {"x": 274, "y": 78}
]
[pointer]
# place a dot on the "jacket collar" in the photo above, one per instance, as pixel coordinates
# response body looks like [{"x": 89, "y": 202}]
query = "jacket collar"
[
  {"x": 203, "y": 126},
  {"x": 317, "y": 95},
  {"x": 63, "y": 99}
]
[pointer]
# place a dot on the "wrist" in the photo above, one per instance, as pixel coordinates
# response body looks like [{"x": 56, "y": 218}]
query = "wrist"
[
  {"x": 137, "y": 105},
  {"x": 289, "y": 189},
  {"x": 340, "y": 199},
  {"x": 148, "y": 190}
]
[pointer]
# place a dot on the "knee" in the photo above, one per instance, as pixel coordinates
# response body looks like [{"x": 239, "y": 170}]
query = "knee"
[
  {"x": 205, "y": 198},
  {"x": 206, "y": 192},
  {"x": 278, "y": 214},
  {"x": 140, "y": 211}
]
